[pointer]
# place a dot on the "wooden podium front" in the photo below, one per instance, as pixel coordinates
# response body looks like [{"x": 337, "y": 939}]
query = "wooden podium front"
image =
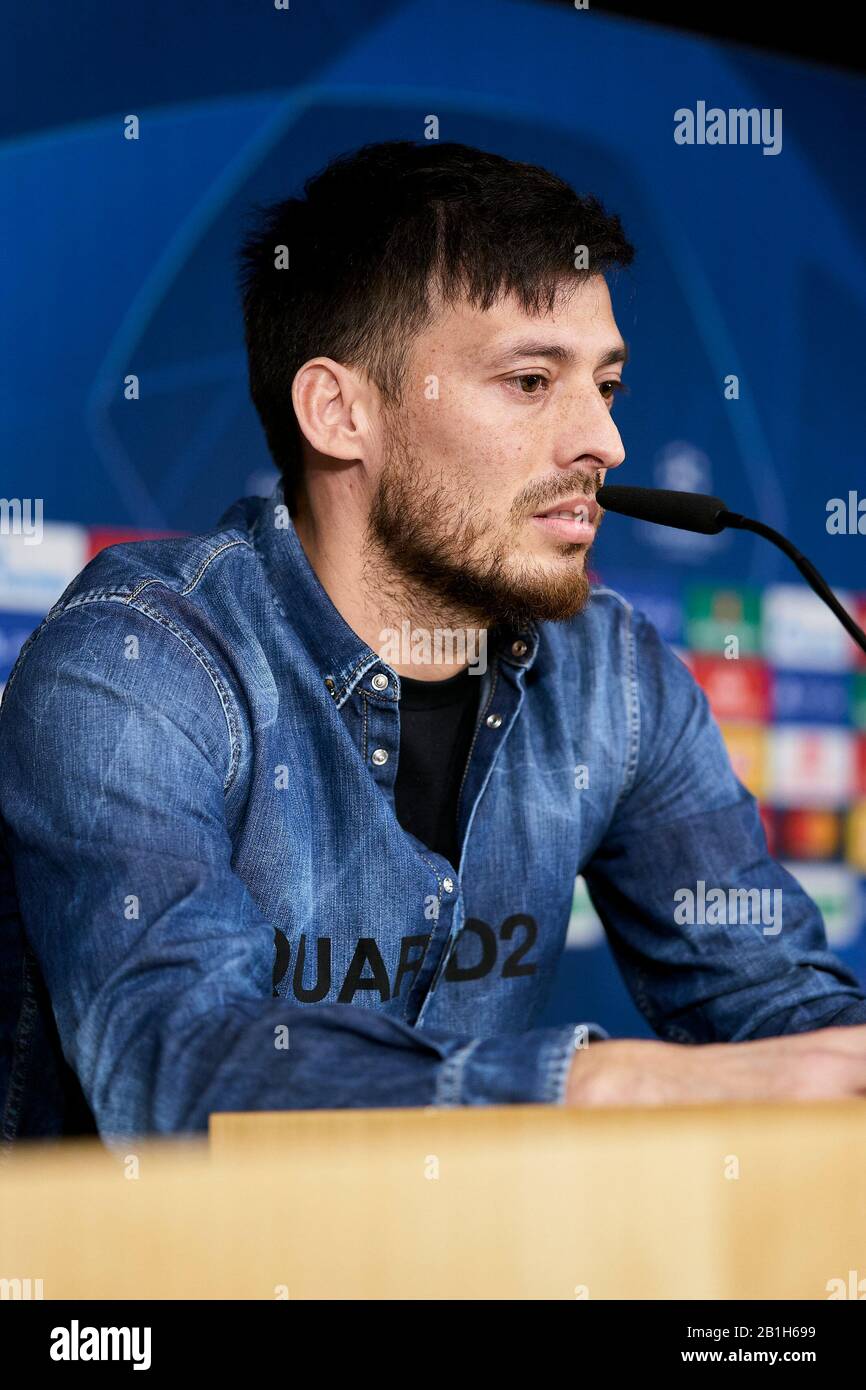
[{"x": 516, "y": 1202}]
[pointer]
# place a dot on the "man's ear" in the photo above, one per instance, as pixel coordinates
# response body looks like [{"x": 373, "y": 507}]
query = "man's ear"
[{"x": 330, "y": 406}]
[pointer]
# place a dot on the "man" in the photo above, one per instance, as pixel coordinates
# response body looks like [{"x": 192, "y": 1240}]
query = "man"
[{"x": 294, "y": 809}]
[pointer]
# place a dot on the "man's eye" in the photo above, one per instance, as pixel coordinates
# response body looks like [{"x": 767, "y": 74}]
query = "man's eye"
[
  {"x": 609, "y": 389},
  {"x": 534, "y": 377}
]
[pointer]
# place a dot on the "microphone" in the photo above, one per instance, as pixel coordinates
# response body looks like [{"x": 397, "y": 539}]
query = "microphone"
[{"x": 695, "y": 511}]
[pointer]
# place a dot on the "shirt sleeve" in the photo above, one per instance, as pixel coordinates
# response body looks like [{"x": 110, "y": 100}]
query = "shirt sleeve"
[
  {"x": 684, "y": 828},
  {"x": 114, "y": 757}
]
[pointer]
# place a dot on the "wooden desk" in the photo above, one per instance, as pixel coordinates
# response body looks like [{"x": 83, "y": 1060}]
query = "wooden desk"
[{"x": 512, "y": 1202}]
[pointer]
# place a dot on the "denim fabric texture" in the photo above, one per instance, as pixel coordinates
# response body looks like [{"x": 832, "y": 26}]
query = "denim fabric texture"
[{"x": 207, "y": 902}]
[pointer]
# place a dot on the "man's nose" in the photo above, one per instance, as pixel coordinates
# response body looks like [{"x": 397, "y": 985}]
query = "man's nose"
[
  {"x": 594, "y": 462},
  {"x": 597, "y": 437}
]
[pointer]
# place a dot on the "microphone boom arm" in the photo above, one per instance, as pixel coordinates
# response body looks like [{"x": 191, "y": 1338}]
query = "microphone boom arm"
[
  {"x": 812, "y": 577},
  {"x": 694, "y": 511}
]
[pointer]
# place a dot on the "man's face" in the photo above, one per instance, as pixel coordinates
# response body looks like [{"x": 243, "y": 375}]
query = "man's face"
[{"x": 504, "y": 416}]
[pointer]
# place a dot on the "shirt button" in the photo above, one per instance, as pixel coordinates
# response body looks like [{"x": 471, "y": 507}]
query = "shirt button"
[
  {"x": 379, "y": 681},
  {"x": 448, "y": 885},
  {"x": 493, "y": 721},
  {"x": 519, "y": 648},
  {"x": 380, "y": 756}
]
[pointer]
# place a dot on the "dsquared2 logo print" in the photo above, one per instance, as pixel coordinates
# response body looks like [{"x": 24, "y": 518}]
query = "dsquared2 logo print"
[{"x": 367, "y": 969}]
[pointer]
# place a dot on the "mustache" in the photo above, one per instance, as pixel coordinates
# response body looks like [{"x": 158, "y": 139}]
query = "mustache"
[{"x": 585, "y": 487}]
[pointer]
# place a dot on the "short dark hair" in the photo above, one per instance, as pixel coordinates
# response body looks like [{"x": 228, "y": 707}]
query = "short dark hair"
[{"x": 374, "y": 230}]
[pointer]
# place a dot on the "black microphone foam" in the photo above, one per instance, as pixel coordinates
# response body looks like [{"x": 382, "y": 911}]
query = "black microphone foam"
[
  {"x": 695, "y": 511},
  {"x": 688, "y": 511}
]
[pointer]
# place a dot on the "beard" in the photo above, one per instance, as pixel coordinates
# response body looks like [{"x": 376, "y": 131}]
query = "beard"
[{"x": 454, "y": 558}]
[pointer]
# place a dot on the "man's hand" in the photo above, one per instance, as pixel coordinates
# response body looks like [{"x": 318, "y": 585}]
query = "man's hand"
[{"x": 827, "y": 1064}]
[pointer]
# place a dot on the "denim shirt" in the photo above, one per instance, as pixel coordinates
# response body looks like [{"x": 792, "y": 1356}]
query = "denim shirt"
[{"x": 207, "y": 902}]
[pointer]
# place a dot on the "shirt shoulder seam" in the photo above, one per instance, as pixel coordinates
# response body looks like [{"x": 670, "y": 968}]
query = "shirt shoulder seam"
[{"x": 129, "y": 599}]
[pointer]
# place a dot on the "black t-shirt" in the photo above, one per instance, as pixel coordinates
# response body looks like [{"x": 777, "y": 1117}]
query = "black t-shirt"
[{"x": 437, "y": 720}]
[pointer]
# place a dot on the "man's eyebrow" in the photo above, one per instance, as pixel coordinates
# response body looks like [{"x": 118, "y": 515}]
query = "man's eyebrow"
[
  {"x": 616, "y": 354},
  {"x": 555, "y": 352}
]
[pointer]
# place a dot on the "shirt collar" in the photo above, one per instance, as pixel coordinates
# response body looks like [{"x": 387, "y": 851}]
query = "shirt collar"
[{"x": 342, "y": 657}]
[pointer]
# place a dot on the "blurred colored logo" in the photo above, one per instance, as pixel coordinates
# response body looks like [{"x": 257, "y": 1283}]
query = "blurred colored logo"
[
  {"x": 714, "y": 615},
  {"x": 32, "y": 577},
  {"x": 855, "y": 836},
  {"x": 810, "y": 834},
  {"x": 99, "y": 537},
  {"x": 735, "y": 689},
  {"x": 800, "y": 632},
  {"x": 747, "y": 749},
  {"x": 836, "y": 890},
  {"x": 811, "y": 697},
  {"x": 811, "y": 765}
]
